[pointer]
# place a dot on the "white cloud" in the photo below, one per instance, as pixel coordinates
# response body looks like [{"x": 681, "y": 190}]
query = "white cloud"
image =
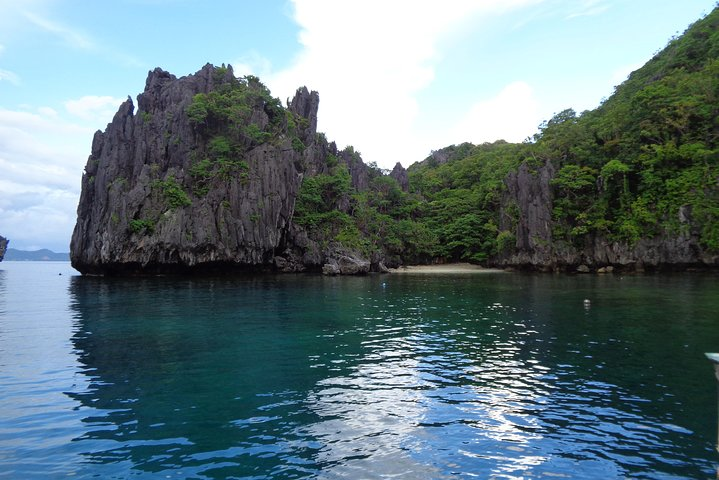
[
  {"x": 512, "y": 115},
  {"x": 6, "y": 75},
  {"x": 94, "y": 108},
  {"x": 68, "y": 35},
  {"x": 32, "y": 124},
  {"x": 42, "y": 156},
  {"x": 252, "y": 63},
  {"x": 370, "y": 60},
  {"x": 47, "y": 223},
  {"x": 588, "y": 8},
  {"x": 47, "y": 112}
]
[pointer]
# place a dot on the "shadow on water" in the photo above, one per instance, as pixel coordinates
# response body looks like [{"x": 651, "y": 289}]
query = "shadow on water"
[{"x": 510, "y": 375}]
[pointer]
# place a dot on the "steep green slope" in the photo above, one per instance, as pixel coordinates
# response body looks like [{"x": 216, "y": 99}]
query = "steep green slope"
[
  {"x": 372, "y": 215},
  {"x": 462, "y": 189},
  {"x": 650, "y": 151},
  {"x": 644, "y": 165}
]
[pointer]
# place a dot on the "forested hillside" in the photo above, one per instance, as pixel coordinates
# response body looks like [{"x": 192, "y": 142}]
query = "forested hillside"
[
  {"x": 644, "y": 165},
  {"x": 633, "y": 183}
]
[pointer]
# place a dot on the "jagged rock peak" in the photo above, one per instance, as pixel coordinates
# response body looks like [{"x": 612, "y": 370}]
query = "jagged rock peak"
[
  {"x": 399, "y": 173},
  {"x": 158, "y": 77},
  {"x": 305, "y": 104},
  {"x": 167, "y": 191},
  {"x": 203, "y": 177}
]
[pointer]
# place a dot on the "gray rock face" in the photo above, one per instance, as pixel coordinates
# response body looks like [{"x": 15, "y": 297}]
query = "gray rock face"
[
  {"x": 526, "y": 210},
  {"x": 399, "y": 173},
  {"x": 3, "y": 247},
  {"x": 305, "y": 105},
  {"x": 344, "y": 262},
  {"x": 529, "y": 196},
  {"x": 360, "y": 173},
  {"x": 203, "y": 177},
  {"x": 148, "y": 206},
  {"x": 330, "y": 269}
]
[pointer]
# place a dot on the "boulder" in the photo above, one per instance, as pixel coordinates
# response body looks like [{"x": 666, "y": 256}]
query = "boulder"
[
  {"x": 330, "y": 269},
  {"x": 352, "y": 265}
]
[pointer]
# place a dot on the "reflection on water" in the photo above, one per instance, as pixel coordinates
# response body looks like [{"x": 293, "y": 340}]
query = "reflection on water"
[
  {"x": 494, "y": 376},
  {"x": 197, "y": 374}
]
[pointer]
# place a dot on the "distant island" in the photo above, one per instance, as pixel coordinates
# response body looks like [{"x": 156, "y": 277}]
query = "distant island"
[
  {"x": 211, "y": 173},
  {"x": 42, "y": 255}
]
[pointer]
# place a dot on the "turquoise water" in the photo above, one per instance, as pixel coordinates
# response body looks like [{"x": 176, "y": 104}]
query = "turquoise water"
[{"x": 468, "y": 376}]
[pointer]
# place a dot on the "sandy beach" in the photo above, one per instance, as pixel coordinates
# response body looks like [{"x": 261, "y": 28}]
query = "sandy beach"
[{"x": 445, "y": 268}]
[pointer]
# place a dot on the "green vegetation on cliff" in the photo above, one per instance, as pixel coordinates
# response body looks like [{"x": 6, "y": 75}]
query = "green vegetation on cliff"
[
  {"x": 227, "y": 120},
  {"x": 378, "y": 220},
  {"x": 654, "y": 145},
  {"x": 461, "y": 188},
  {"x": 643, "y": 164}
]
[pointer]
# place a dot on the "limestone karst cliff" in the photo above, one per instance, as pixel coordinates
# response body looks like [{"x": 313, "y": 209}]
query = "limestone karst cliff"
[
  {"x": 203, "y": 175},
  {"x": 211, "y": 173},
  {"x": 531, "y": 194}
]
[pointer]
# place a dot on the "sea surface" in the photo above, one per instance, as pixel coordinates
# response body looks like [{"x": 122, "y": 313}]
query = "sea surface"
[{"x": 493, "y": 375}]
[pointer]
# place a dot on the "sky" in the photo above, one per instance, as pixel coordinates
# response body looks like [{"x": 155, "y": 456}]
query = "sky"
[{"x": 397, "y": 78}]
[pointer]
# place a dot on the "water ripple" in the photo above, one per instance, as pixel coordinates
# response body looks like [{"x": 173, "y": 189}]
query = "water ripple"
[{"x": 313, "y": 377}]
